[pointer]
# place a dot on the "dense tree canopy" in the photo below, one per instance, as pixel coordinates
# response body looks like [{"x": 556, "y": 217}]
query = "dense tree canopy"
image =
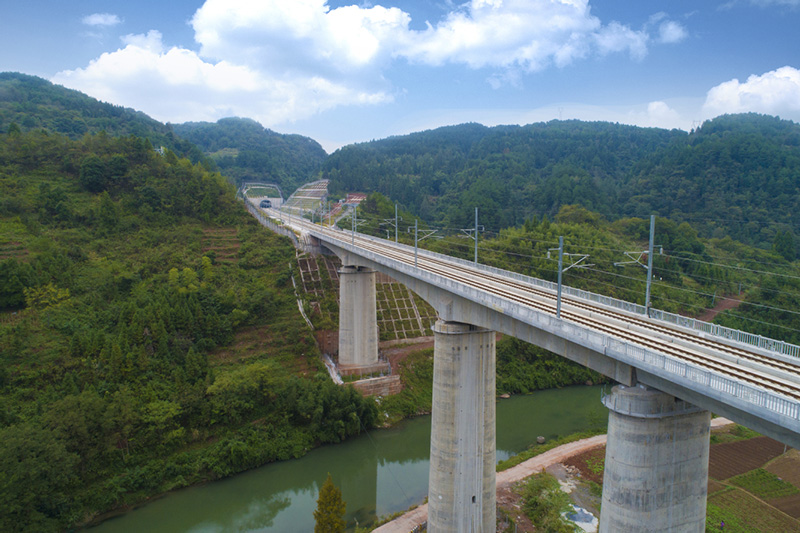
[
  {"x": 246, "y": 151},
  {"x": 119, "y": 305},
  {"x": 736, "y": 175},
  {"x": 31, "y": 103}
]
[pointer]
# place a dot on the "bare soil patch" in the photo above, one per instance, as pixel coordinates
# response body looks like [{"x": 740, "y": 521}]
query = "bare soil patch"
[
  {"x": 714, "y": 486},
  {"x": 13, "y": 249},
  {"x": 788, "y": 504},
  {"x": 787, "y": 467},
  {"x": 247, "y": 343},
  {"x": 586, "y": 464},
  {"x": 395, "y": 355},
  {"x": 734, "y": 458},
  {"x": 509, "y": 505},
  {"x": 223, "y": 242},
  {"x": 725, "y": 303}
]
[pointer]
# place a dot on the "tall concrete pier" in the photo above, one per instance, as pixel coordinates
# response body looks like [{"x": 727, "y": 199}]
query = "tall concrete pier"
[
  {"x": 358, "y": 320},
  {"x": 656, "y": 468},
  {"x": 461, "y": 493}
]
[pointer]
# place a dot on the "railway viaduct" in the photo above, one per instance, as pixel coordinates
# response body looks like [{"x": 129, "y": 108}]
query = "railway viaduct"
[{"x": 672, "y": 373}]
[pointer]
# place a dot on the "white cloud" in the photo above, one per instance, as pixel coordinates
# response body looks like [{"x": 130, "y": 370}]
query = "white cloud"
[
  {"x": 617, "y": 38},
  {"x": 101, "y": 19},
  {"x": 175, "y": 84},
  {"x": 660, "y": 115},
  {"x": 767, "y": 3},
  {"x": 760, "y": 3},
  {"x": 670, "y": 32},
  {"x": 307, "y": 34},
  {"x": 279, "y": 61},
  {"x": 776, "y": 92},
  {"x": 298, "y": 35}
]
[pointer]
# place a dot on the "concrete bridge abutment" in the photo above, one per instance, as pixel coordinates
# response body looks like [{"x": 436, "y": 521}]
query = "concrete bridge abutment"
[
  {"x": 462, "y": 486},
  {"x": 358, "y": 321},
  {"x": 656, "y": 466}
]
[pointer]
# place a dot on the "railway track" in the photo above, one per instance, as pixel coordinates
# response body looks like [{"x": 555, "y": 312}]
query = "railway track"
[{"x": 758, "y": 369}]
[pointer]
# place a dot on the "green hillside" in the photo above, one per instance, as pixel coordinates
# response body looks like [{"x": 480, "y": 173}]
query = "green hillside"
[
  {"x": 129, "y": 284},
  {"x": 736, "y": 175},
  {"x": 246, "y": 151},
  {"x": 33, "y": 103}
]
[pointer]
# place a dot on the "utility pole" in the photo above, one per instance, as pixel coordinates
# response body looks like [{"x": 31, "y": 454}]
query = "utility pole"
[
  {"x": 388, "y": 222},
  {"x": 576, "y": 260},
  {"x": 476, "y": 229},
  {"x": 560, "y": 265},
  {"x": 416, "y": 242},
  {"x": 476, "y": 236},
  {"x": 354, "y": 226},
  {"x": 650, "y": 265},
  {"x": 427, "y": 232}
]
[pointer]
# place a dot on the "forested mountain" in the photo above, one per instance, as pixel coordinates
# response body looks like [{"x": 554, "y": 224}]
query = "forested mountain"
[
  {"x": 736, "y": 175},
  {"x": 246, "y": 151},
  {"x": 510, "y": 172},
  {"x": 127, "y": 280},
  {"x": 33, "y": 103}
]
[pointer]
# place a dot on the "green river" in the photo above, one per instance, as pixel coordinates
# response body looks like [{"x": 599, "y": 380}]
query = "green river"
[{"x": 379, "y": 473}]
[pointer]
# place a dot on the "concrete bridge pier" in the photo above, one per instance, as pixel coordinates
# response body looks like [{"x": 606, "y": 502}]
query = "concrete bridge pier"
[
  {"x": 656, "y": 467},
  {"x": 461, "y": 488},
  {"x": 358, "y": 321}
]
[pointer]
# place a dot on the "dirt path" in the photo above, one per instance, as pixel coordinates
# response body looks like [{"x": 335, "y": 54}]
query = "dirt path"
[
  {"x": 725, "y": 303},
  {"x": 395, "y": 355},
  {"x": 507, "y": 478}
]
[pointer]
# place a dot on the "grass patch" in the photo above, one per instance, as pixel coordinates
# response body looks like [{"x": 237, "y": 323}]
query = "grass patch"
[
  {"x": 764, "y": 484},
  {"x": 596, "y": 466},
  {"x": 744, "y": 513},
  {"x": 416, "y": 373},
  {"x": 544, "y": 503},
  {"x": 537, "y": 449},
  {"x": 732, "y": 433}
]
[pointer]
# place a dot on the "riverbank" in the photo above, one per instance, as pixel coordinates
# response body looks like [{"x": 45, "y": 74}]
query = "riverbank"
[
  {"x": 506, "y": 478},
  {"x": 380, "y": 474}
]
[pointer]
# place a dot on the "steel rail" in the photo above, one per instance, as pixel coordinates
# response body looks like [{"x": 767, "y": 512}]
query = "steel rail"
[{"x": 532, "y": 297}]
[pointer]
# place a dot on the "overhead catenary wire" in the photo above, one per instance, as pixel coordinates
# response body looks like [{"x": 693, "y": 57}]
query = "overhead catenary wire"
[{"x": 448, "y": 243}]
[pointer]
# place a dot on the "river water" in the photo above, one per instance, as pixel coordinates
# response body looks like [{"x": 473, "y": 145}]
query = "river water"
[{"x": 380, "y": 473}]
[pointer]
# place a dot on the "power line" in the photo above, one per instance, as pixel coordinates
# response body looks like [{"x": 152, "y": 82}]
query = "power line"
[
  {"x": 454, "y": 244},
  {"x": 743, "y": 269}
]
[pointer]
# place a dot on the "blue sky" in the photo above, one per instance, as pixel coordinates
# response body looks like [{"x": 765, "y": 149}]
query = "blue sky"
[{"x": 343, "y": 72}]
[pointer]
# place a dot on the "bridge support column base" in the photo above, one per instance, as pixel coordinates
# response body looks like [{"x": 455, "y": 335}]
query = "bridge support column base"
[
  {"x": 358, "y": 318},
  {"x": 656, "y": 467},
  {"x": 462, "y": 486}
]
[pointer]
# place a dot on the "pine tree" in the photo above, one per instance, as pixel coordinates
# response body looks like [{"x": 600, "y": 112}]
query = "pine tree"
[{"x": 330, "y": 509}]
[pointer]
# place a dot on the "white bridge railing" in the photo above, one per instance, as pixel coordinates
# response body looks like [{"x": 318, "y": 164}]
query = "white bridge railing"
[
  {"x": 710, "y": 383},
  {"x": 772, "y": 345},
  {"x": 764, "y": 343}
]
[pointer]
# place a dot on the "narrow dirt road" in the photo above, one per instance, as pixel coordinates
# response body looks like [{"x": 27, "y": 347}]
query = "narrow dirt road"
[{"x": 419, "y": 515}]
